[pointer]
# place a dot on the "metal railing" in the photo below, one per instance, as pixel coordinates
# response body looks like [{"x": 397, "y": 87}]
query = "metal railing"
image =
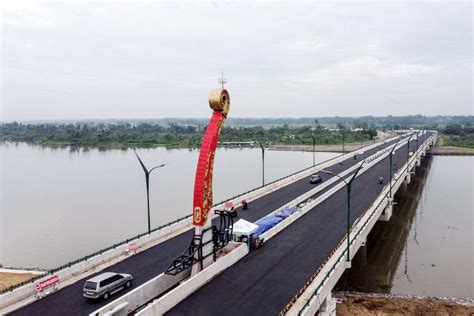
[
  {"x": 344, "y": 253},
  {"x": 87, "y": 257},
  {"x": 114, "y": 246}
]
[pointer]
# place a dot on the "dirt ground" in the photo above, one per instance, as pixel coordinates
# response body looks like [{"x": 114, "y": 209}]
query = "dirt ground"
[
  {"x": 9, "y": 279},
  {"x": 451, "y": 151},
  {"x": 381, "y": 306}
]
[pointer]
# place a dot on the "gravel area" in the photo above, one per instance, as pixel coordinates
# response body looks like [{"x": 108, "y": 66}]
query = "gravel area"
[{"x": 385, "y": 304}]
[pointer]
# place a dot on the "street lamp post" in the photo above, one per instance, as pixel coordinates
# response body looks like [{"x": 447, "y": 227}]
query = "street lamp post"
[
  {"x": 342, "y": 142},
  {"x": 147, "y": 181},
  {"x": 314, "y": 152},
  {"x": 391, "y": 166},
  {"x": 408, "y": 153},
  {"x": 417, "y": 136},
  {"x": 349, "y": 192},
  {"x": 263, "y": 160}
]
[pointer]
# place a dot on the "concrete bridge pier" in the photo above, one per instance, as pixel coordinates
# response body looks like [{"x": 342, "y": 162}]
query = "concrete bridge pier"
[
  {"x": 361, "y": 255},
  {"x": 387, "y": 212},
  {"x": 407, "y": 178},
  {"x": 418, "y": 162},
  {"x": 328, "y": 307}
]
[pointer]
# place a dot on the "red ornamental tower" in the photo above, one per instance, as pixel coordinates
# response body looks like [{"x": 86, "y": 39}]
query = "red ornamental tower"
[{"x": 219, "y": 102}]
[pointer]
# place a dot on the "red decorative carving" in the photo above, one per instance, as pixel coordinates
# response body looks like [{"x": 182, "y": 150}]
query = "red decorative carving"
[{"x": 203, "y": 181}]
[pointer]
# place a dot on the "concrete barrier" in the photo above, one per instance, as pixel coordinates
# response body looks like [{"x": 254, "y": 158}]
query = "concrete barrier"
[
  {"x": 89, "y": 266},
  {"x": 146, "y": 292},
  {"x": 290, "y": 219},
  {"x": 174, "y": 297},
  {"x": 327, "y": 276},
  {"x": 135, "y": 300},
  {"x": 305, "y": 173},
  {"x": 82, "y": 269}
]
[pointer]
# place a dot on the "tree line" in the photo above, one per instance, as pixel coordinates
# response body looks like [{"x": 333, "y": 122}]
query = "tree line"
[
  {"x": 458, "y": 135},
  {"x": 175, "y": 135},
  {"x": 389, "y": 122}
]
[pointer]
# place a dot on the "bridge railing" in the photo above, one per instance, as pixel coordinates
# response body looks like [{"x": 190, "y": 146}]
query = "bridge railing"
[
  {"x": 178, "y": 220},
  {"x": 89, "y": 256},
  {"x": 126, "y": 241},
  {"x": 343, "y": 255}
]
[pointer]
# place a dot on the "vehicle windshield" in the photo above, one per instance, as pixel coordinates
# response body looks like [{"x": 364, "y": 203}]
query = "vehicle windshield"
[{"x": 90, "y": 285}]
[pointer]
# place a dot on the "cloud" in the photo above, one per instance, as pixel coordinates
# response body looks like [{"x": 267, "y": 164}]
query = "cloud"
[
  {"x": 363, "y": 70},
  {"x": 127, "y": 59}
]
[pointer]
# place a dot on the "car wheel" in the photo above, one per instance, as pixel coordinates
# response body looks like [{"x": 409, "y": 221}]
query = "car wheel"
[
  {"x": 106, "y": 295},
  {"x": 128, "y": 284}
]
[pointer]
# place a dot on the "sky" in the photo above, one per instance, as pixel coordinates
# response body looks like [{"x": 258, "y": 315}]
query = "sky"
[{"x": 103, "y": 60}]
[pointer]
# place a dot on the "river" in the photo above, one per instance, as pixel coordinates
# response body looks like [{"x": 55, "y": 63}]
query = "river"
[
  {"x": 59, "y": 204},
  {"x": 427, "y": 247}
]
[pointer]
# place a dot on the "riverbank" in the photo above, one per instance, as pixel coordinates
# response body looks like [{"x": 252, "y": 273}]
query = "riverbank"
[
  {"x": 443, "y": 148},
  {"x": 450, "y": 151},
  {"x": 384, "y": 304},
  {"x": 335, "y": 148},
  {"x": 9, "y": 277}
]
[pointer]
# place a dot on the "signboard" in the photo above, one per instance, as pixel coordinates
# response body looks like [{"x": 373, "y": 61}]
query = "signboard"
[{"x": 44, "y": 284}]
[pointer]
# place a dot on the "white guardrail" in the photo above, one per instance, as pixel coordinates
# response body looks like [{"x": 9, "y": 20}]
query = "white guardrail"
[
  {"x": 172, "y": 298},
  {"x": 324, "y": 280},
  {"x": 371, "y": 161},
  {"x": 134, "y": 299},
  {"x": 94, "y": 264}
]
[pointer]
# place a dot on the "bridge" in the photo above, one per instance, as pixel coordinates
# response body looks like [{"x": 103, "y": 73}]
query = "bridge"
[{"x": 294, "y": 273}]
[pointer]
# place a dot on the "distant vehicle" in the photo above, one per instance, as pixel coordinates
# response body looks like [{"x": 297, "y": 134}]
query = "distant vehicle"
[
  {"x": 315, "y": 178},
  {"x": 106, "y": 284},
  {"x": 233, "y": 212}
]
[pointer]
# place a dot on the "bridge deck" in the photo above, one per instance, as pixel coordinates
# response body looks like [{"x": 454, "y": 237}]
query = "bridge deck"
[
  {"x": 264, "y": 281},
  {"x": 148, "y": 264}
]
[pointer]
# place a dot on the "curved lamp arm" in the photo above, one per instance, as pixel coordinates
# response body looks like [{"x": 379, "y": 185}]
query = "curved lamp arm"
[{"x": 156, "y": 167}]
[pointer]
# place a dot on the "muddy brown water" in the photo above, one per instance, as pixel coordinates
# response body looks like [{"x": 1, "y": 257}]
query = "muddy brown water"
[{"x": 427, "y": 246}]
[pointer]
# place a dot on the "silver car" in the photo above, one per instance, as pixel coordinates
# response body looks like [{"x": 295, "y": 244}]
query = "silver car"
[
  {"x": 315, "y": 178},
  {"x": 106, "y": 284}
]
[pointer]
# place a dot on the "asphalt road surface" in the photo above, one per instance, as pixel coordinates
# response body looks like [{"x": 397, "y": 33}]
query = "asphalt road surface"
[
  {"x": 148, "y": 264},
  {"x": 263, "y": 282}
]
